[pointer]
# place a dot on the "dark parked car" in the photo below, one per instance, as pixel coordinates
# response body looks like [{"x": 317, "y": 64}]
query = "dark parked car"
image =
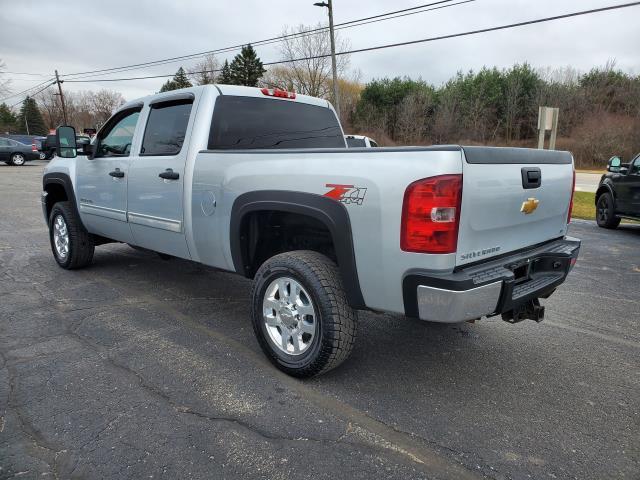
[
  {"x": 16, "y": 153},
  {"x": 33, "y": 140},
  {"x": 618, "y": 195},
  {"x": 49, "y": 145}
]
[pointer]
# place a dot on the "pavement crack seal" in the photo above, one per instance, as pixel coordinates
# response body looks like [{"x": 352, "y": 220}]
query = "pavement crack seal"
[{"x": 376, "y": 433}]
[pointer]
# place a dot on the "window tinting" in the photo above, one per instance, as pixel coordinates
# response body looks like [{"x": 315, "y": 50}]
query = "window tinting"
[
  {"x": 355, "y": 142},
  {"x": 373, "y": 144},
  {"x": 116, "y": 140},
  {"x": 4, "y": 142},
  {"x": 249, "y": 122},
  {"x": 166, "y": 128}
]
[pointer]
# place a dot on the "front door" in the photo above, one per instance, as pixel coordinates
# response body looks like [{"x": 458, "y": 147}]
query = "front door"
[
  {"x": 102, "y": 181},
  {"x": 156, "y": 180},
  {"x": 632, "y": 188}
]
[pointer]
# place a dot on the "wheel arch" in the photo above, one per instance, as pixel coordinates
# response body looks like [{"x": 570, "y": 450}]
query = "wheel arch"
[
  {"x": 59, "y": 188},
  {"x": 333, "y": 215},
  {"x": 605, "y": 188}
]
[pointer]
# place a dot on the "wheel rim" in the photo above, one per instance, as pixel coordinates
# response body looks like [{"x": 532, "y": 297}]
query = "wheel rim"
[
  {"x": 603, "y": 209},
  {"x": 289, "y": 316},
  {"x": 18, "y": 159},
  {"x": 61, "y": 237}
]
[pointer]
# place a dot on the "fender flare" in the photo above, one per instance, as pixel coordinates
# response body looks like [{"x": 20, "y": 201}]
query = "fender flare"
[
  {"x": 606, "y": 186},
  {"x": 331, "y": 213},
  {"x": 64, "y": 180}
]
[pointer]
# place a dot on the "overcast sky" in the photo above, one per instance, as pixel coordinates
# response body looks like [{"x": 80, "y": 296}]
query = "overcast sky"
[{"x": 38, "y": 36}]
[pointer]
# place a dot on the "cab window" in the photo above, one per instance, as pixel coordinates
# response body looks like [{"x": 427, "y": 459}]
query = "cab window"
[
  {"x": 166, "y": 128},
  {"x": 116, "y": 140}
]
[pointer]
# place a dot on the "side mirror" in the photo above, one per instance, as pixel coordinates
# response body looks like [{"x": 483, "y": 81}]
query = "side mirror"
[
  {"x": 614, "y": 164},
  {"x": 66, "y": 142}
]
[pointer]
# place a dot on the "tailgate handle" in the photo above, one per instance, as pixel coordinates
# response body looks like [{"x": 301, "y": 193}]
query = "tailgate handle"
[{"x": 531, "y": 177}]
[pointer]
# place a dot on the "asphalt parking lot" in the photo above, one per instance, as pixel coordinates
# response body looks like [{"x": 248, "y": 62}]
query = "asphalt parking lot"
[{"x": 143, "y": 368}]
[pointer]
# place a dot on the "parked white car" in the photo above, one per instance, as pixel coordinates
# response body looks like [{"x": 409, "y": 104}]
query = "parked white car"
[{"x": 360, "y": 141}]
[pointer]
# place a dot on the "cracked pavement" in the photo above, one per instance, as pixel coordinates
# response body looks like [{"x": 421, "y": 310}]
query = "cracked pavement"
[{"x": 143, "y": 368}]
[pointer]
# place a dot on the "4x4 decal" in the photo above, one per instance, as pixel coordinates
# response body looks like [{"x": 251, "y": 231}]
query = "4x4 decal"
[{"x": 347, "y": 194}]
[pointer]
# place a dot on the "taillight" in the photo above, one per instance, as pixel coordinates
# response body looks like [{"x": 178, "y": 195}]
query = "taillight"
[
  {"x": 431, "y": 215},
  {"x": 573, "y": 189},
  {"x": 33, "y": 147},
  {"x": 276, "y": 92}
]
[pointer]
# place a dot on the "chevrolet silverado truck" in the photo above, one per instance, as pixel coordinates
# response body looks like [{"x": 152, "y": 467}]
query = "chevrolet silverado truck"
[{"x": 259, "y": 182}]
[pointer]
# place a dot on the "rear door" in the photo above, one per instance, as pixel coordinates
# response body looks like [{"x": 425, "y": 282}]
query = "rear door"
[
  {"x": 156, "y": 181},
  {"x": 5, "y": 149},
  {"x": 512, "y": 199}
]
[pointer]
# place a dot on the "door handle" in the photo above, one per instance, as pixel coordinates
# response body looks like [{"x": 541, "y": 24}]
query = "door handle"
[
  {"x": 169, "y": 174},
  {"x": 117, "y": 173}
]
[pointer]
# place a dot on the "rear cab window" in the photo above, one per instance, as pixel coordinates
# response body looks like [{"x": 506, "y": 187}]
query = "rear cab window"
[
  {"x": 353, "y": 142},
  {"x": 265, "y": 123},
  {"x": 166, "y": 128}
]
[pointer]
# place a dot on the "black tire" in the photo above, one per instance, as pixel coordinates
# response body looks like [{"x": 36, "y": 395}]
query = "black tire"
[
  {"x": 80, "y": 243},
  {"x": 335, "y": 321},
  {"x": 605, "y": 211},
  {"x": 17, "y": 159}
]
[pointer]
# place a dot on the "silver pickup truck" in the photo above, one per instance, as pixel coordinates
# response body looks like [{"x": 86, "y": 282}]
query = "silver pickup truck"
[{"x": 259, "y": 182}]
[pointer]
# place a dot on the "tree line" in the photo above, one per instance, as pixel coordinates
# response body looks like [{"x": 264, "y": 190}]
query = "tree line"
[{"x": 599, "y": 110}]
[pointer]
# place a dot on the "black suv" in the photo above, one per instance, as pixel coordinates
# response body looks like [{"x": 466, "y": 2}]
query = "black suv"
[{"x": 618, "y": 194}]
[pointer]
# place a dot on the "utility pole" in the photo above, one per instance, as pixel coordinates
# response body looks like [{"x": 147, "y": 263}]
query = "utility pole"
[
  {"x": 336, "y": 101},
  {"x": 64, "y": 109}
]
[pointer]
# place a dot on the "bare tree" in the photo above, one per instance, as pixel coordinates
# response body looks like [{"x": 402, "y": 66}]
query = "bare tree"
[
  {"x": 206, "y": 71},
  {"x": 310, "y": 73},
  {"x": 84, "y": 109}
]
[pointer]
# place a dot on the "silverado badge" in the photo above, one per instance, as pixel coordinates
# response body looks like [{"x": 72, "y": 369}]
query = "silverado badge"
[{"x": 529, "y": 205}]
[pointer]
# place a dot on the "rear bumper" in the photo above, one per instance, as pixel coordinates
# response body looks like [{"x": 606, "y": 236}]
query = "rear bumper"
[{"x": 491, "y": 287}]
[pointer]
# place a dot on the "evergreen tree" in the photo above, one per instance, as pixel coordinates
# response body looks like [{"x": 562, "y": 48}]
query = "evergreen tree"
[
  {"x": 246, "y": 68},
  {"x": 30, "y": 116},
  {"x": 179, "y": 80},
  {"x": 8, "y": 119},
  {"x": 225, "y": 74}
]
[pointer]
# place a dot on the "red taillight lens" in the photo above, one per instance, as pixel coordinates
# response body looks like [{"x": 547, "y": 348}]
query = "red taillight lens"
[
  {"x": 33, "y": 147},
  {"x": 573, "y": 189},
  {"x": 431, "y": 215}
]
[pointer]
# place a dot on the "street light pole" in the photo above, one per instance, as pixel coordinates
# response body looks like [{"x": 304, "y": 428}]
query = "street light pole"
[{"x": 336, "y": 101}]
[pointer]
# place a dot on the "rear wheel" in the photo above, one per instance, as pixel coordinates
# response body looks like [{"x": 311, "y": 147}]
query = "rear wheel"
[
  {"x": 71, "y": 244},
  {"x": 17, "y": 159},
  {"x": 300, "y": 313},
  {"x": 605, "y": 212}
]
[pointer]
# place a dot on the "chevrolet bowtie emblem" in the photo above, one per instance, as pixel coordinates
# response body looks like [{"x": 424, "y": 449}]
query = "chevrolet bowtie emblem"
[{"x": 529, "y": 205}]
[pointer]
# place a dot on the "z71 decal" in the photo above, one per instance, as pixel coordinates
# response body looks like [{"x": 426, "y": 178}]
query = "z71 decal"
[{"x": 347, "y": 194}]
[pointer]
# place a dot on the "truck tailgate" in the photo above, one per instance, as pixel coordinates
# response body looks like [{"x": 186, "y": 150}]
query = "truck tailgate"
[{"x": 512, "y": 198}]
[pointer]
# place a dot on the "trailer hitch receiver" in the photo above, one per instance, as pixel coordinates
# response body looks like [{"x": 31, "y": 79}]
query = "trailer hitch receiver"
[{"x": 528, "y": 310}]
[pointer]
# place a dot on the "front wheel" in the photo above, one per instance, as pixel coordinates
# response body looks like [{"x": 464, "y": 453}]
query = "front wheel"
[
  {"x": 605, "y": 212},
  {"x": 300, "y": 313},
  {"x": 71, "y": 244},
  {"x": 17, "y": 159}
]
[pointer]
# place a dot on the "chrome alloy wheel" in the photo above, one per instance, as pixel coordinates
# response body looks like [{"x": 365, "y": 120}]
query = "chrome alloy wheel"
[
  {"x": 61, "y": 237},
  {"x": 18, "y": 159},
  {"x": 289, "y": 316}
]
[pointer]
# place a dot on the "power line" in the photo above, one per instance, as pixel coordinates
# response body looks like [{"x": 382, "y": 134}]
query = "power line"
[
  {"x": 399, "y": 44},
  {"x": 32, "y": 95},
  {"x": 26, "y": 90},
  {"x": 267, "y": 41}
]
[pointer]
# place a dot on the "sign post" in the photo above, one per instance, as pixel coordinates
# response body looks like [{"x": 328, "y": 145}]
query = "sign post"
[{"x": 547, "y": 120}]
